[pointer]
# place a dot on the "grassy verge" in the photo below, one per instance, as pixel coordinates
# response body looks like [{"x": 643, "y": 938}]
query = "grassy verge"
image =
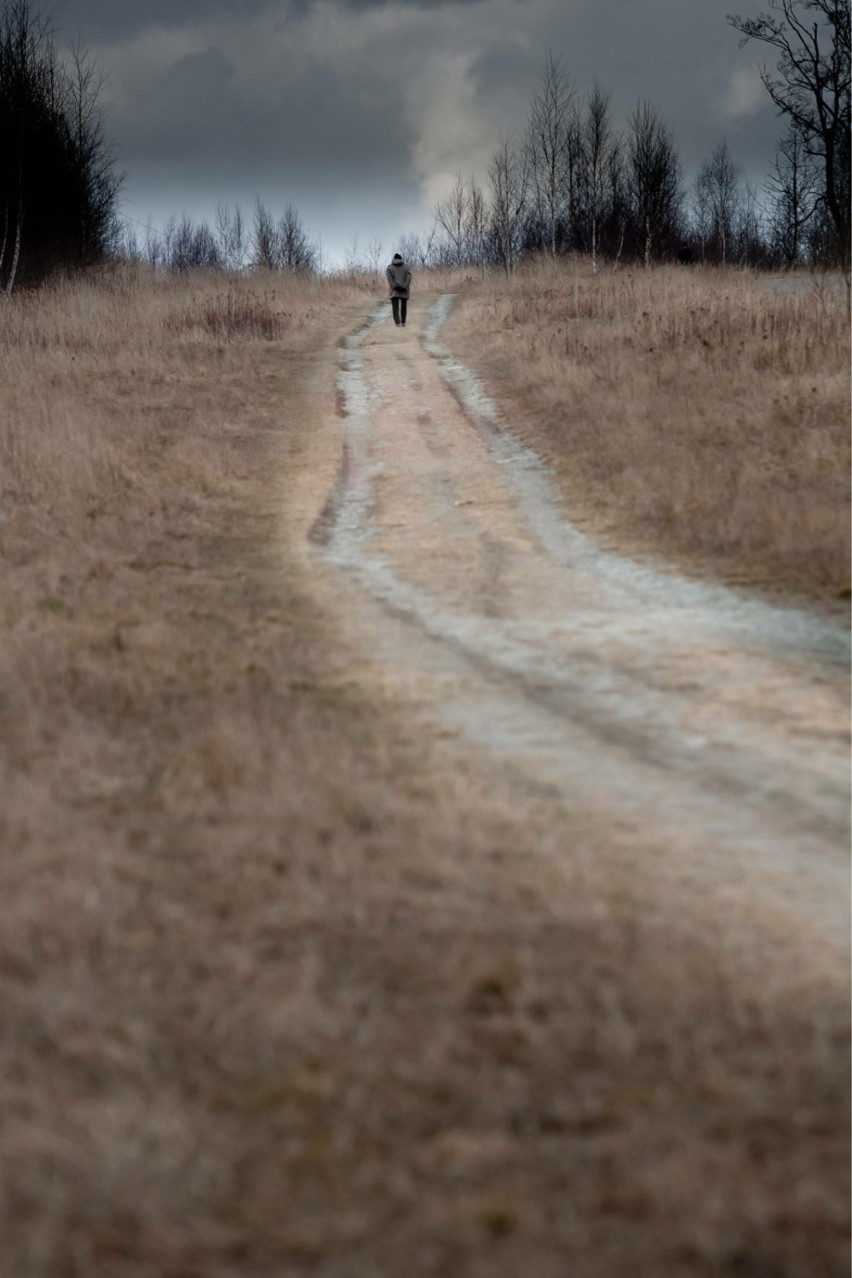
[
  {"x": 287, "y": 986},
  {"x": 698, "y": 415}
]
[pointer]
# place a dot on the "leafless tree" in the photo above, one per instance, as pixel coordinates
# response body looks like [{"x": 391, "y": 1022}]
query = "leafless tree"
[
  {"x": 58, "y": 188},
  {"x": 374, "y": 254},
  {"x": 749, "y": 239},
  {"x": 619, "y": 212},
  {"x": 168, "y": 240},
  {"x": 718, "y": 187},
  {"x": 128, "y": 243},
  {"x": 451, "y": 215},
  {"x": 152, "y": 245},
  {"x": 264, "y": 246},
  {"x": 353, "y": 258},
  {"x": 293, "y": 249},
  {"x": 551, "y": 150},
  {"x": 792, "y": 185},
  {"x": 416, "y": 249},
  {"x": 182, "y": 250},
  {"x": 702, "y": 209},
  {"x": 100, "y": 183},
  {"x": 811, "y": 87},
  {"x": 193, "y": 247},
  {"x": 231, "y": 239},
  {"x": 477, "y": 225},
  {"x": 598, "y": 147},
  {"x": 508, "y": 180},
  {"x": 654, "y": 174}
]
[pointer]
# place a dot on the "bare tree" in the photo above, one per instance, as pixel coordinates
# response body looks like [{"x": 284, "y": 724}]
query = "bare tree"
[
  {"x": 193, "y": 247},
  {"x": 508, "y": 180},
  {"x": 152, "y": 245},
  {"x": 352, "y": 257},
  {"x": 416, "y": 249},
  {"x": 618, "y": 215},
  {"x": 293, "y": 249},
  {"x": 477, "y": 225},
  {"x": 264, "y": 245},
  {"x": 363, "y": 258},
  {"x": 598, "y": 144},
  {"x": 792, "y": 185},
  {"x": 374, "y": 254},
  {"x": 168, "y": 240},
  {"x": 128, "y": 243},
  {"x": 231, "y": 237},
  {"x": 410, "y": 247},
  {"x": 718, "y": 184},
  {"x": 451, "y": 215},
  {"x": 749, "y": 238},
  {"x": 551, "y": 150},
  {"x": 702, "y": 209},
  {"x": 100, "y": 184},
  {"x": 811, "y": 86},
  {"x": 654, "y": 171},
  {"x": 58, "y": 188}
]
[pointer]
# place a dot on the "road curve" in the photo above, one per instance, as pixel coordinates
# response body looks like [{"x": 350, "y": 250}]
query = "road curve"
[{"x": 703, "y": 719}]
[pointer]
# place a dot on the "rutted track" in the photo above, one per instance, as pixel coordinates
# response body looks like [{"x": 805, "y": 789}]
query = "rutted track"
[{"x": 699, "y": 717}]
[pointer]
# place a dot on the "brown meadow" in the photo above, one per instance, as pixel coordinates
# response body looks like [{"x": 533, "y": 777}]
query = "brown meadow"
[
  {"x": 289, "y": 987},
  {"x": 701, "y": 415}
]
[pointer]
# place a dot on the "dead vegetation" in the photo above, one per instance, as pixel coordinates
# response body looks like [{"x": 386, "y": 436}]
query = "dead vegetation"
[
  {"x": 701, "y": 415},
  {"x": 287, "y": 986}
]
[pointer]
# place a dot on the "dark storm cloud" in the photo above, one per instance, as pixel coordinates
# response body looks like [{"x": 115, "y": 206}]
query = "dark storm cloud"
[
  {"x": 107, "y": 20},
  {"x": 104, "y": 19},
  {"x": 367, "y": 108},
  {"x": 321, "y": 123},
  {"x": 195, "y": 91}
]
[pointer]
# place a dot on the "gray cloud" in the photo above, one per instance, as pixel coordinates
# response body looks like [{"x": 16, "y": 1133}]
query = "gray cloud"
[
  {"x": 362, "y": 109},
  {"x": 104, "y": 19}
]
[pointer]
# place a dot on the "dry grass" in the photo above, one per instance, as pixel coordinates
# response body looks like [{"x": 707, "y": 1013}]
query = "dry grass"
[
  {"x": 700, "y": 414},
  {"x": 287, "y": 987}
]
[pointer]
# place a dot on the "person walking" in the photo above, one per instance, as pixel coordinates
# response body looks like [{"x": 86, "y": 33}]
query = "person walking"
[{"x": 399, "y": 283}]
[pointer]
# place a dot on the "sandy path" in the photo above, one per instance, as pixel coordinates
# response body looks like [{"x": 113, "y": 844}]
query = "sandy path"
[{"x": 707, "y": 722}]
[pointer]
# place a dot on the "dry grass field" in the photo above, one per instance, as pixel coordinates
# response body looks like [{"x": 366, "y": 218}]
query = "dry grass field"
[
  {"x": 701, "y": 415},
  {"x": 288, "y": 988}
]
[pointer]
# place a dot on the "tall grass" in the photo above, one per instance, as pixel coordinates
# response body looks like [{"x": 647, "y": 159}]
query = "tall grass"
[
  {"x": 701, "y": 414},
  {"x": 288, "y": 987}
]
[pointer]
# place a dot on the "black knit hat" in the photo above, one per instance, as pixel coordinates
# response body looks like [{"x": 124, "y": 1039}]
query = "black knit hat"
[{"x": 397, "y": 257}]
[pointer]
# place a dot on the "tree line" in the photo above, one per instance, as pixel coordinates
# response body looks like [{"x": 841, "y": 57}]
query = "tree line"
[
  {"x": 234, "y": 242},
  {"x": 571, "y": 182},
  {"x": 58, "y": 184},
  {"x": 576, "y": 183}
]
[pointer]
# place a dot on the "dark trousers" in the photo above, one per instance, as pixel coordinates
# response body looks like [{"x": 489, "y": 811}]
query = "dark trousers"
[{"x": 400, "y": 309}]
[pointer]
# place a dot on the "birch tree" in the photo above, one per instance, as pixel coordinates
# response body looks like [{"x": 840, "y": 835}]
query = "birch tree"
[
  {"x": 654, "y": 175},
  {"x": 551, "y": 131},
  {"x": 597, "y": 145},
  {"x": 719, "y": 185},
  {"x": 231, "y": 238},
  {"x": 451, "y": 215},
  {"x": 508, "y": 182}
]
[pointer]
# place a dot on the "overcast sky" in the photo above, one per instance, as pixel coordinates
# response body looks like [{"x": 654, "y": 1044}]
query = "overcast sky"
[{"x": 361, "y": 111}]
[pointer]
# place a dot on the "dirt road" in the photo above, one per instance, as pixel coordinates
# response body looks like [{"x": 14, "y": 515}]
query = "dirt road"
[
  {"x": 708, "y": 724},
  {"x": 591, "y": 1008},
  {"x": 394, "y": 885}
]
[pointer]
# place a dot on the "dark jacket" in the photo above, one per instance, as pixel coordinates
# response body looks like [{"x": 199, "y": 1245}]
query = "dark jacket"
[{"x": 399, "y": 279}]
